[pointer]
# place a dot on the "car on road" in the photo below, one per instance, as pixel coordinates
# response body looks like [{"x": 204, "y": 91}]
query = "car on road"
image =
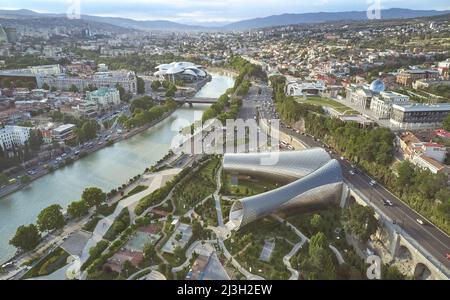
[
  {"x": 352, "y": 172},
  {"x": 448, "y": 256},
  {"x": 372, "y": 182},
  {"x": 388, "y": 203},
  {"x": 420, "y": 221},
  {"x": 342, "y": 158}
]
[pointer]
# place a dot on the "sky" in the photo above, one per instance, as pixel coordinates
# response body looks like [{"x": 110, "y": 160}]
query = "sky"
[{"x": 211, "y": 11}]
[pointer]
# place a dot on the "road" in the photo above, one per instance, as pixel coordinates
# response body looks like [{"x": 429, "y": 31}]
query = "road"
[{"x": 431, "y": 238}]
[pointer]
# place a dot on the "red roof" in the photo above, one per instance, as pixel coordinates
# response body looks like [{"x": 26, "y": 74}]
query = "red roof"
[
  {"x": 434, "y": 145},
  {"x": 442, "y": 133}
]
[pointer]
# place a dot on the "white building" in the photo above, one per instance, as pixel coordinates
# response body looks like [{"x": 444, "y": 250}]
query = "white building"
[
  {"x": 381, "y": 104},
  {"x": 111, "y": 79},
  {"x": 104, "y": 97},
  {"x": 305, "y": 88},
  {"x": 11, "y": 136},
  {"x": 45, "y": 70}
]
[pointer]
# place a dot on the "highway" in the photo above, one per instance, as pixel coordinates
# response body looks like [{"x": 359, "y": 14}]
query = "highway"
[{"x": 431, "y": 238}]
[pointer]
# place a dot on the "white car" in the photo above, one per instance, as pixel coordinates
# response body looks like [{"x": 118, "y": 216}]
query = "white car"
[
  {"x": 420, "y": 222},
  {"x": 352, "y": 172},
  {"x": 373, "y": 183}
]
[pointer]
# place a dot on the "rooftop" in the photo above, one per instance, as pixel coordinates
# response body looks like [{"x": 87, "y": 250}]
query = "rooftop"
[
  {"x": 422, "y": 107},
  {"x": 64, "y": 127}
]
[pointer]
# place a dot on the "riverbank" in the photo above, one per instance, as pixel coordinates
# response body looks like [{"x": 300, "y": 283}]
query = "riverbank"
[
  {"x": 104, "y": 169},
  {"x": 5, "y": 191},
  {"x": 223, "y": 71}
]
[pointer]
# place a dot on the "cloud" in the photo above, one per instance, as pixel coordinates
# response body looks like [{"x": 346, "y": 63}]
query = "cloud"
[{"x": 195, "y": 11}]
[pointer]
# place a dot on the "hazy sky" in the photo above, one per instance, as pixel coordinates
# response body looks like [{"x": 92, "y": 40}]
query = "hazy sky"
[{"x": 223, "y": 11}]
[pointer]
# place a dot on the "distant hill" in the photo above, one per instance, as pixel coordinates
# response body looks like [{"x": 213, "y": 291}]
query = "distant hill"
[
  {"x": 116, "y": 21},
  {"x": 320, "y": 17},
  {"x": 270, "y": 21}
]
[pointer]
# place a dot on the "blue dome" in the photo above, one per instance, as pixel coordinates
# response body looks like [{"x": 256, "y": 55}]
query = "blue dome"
[{"x": 377, "y": 86}]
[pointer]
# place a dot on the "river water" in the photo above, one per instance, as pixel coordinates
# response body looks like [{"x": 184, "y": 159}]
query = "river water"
[{"x": 106, "y": 168}]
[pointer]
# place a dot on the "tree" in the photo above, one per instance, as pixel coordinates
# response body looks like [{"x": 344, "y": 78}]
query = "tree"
[
  {"x": 178, "y": 252},
  {"x": 93, "y": 196},
  {"x": 25, "y": 179},
  {"x": 51, "y": 218},
  {"x": 124, "y": 95},
  {"x": 144, "y": 103},
  {"x": 446, "y": 123},
  {"x": 26, "y": 237},
  {"x": 45, "y": 86},
  {"x": 392, "y": 273},
  {"x": 35, "y": 141},
  {"x": 316, "y": 221},
  {"x": 405, "y": 175},
  {"x": 78, "y": 209},
  {"x": 170, "y": 92},
  {"x": 171, "y": 103},
  {"x": 155, "y": 85},
  {"x": 73, "y": 88},
  {"x": 88, "y": 131},
  {"x": 140, "y": 85},
  {"x": 3, "y": 179},
  {"x": 149, "y": 251},
  {"x": 360, "y": 221}
]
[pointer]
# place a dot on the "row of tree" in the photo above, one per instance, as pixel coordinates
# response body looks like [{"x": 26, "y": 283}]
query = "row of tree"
[
  {"x": 27, "y": 237},
  {"x": 142, "y": 116}
]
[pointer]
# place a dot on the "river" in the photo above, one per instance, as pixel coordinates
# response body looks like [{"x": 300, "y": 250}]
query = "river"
[{"x": 106, "y": 168}]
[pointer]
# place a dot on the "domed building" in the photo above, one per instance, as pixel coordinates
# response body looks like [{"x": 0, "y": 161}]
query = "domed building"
[
  {"x": 184, "y": 71},
  {"x": 377, "y": 86}
]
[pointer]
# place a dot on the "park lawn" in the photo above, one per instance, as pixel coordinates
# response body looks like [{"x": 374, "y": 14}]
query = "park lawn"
[
  {"x": 208, "y": 211},
  {"x": 196, "y": 187},
  {"x": 274, "y": 269},
  {"x": 247, "y": 187},
  {"x": 136, "y": 190},
  {"x": 315, "y": 100},
  {"x": 49, "y": 264}
]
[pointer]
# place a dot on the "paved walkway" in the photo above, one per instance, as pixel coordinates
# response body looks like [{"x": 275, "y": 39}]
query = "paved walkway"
[
  {"x": 156, "y": 180},
  {"x": 198, "y": 247},
  {"x": 298, "y": 246}
]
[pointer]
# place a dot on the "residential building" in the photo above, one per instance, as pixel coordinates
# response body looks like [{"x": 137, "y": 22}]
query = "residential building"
[
  {"x": 64, "y": 133},
  {"x": 360, "y": 96},
  {"x": 305, "y": 88},
  {"x": 45, "y": 70},
  {"x": 13, "y": 136},
  {"x": 381, "y": 104},
  {"x": 125, "y": 79},
  {"x": 419, "y": 115},
  {"x": 104, "y": 97},
  {"x": 407, "y": 78}
]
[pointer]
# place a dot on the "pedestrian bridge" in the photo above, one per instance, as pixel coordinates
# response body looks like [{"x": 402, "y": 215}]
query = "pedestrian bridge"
[{"x": 197, "y": 100}]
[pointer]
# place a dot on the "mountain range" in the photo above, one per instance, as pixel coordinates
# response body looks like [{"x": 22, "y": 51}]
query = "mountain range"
[{"x": 270, "y": 21}]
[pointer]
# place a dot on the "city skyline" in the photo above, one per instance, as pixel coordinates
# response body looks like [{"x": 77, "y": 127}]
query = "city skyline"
[{"x": 217, "y": 12}]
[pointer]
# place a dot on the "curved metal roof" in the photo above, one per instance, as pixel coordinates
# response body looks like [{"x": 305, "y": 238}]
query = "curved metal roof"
[
  {"x": 320, "y": 187},
  {"x": 293, "y": 164}
]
